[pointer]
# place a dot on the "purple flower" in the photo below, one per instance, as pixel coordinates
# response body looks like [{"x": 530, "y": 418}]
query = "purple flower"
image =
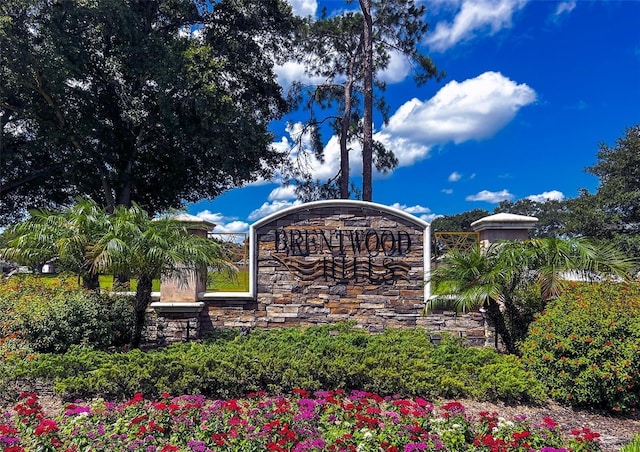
[
  {"x": 310, "y": 444},
  {"x": 76, "y": 409},
  {"x": 197, "y": 446},
  {"x": 415, "y": 446},
  {"x": 8, "y": 440}
]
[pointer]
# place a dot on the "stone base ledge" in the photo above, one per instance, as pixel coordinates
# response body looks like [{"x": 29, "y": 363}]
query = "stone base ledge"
[{"x": 187, "y": 307}]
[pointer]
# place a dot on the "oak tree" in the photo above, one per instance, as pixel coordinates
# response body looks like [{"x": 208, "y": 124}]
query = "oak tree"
[{"x": 155, "y": 101}]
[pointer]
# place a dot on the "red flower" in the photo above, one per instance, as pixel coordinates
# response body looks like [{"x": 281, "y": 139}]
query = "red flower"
[
  {"x": 137, "y": 397},
  {"x": 517, "y": 436},
  {"x": 235, "y": 420},
  {"x": 549, "y": 423},
  {"x": 7, "y": 430},
  {"x": 169, "y": 448},
  {"x": 218, "y": 438},
  {"x": 454, "y": 407},
  {"x": 46, "y": 426},
  {"x": 303, "y": 393},
  {"x": 585, "y": 434},
  {"x": 138, "y": 419}
]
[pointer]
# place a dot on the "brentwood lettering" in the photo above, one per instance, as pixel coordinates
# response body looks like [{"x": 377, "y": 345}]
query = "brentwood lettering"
[{"x": 342, "y": 242}]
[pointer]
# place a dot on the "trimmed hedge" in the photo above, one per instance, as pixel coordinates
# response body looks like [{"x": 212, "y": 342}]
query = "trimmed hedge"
[
  {"x": 395, "y": 362},
  {"x": 585, "y": 347}
]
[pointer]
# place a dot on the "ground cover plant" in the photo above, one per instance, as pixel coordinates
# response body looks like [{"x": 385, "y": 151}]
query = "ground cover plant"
[
  {"x": 301, "y": 421},
  {"x": 585, "y": 347}
]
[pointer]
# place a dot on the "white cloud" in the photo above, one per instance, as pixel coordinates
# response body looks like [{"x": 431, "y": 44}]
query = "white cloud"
[
  {"x": 329, "y": 167},
  {"x": 215, "y": 218},
  {"x": 474, "y": 18},
  {"x": 411, "y": 209},
  {"x": 447, "y": 191},
  {"x": 272, "y": 207},
  {"x": 292, "y": 71},
  {"x": 283, "y": 193},
  {"x": 553, "y": 195},
  {"x": 223, "y": 223},
  {"x": 565, "y": 7},
  {"x": 454, "y": 177},
  {"x": 430, "y": 217},
  {"x": 491, "y": 196},
  {"x": 232, "y": 227},
  {"x": 424, "y": 213},
  {"x": 397, "y": 70},
  {"x": 474, "y": 109},
  {"x": 304, "y": 8}
]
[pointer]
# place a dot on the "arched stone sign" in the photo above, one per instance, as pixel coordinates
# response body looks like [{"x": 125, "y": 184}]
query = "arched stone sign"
[{"x": 327, "y": 261}]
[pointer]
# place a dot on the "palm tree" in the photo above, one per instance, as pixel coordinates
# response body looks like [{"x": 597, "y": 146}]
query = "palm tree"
[
  {"x": 148, "y": 248},
  {"x": 66, "y": 236},
  {"x": 88, "y": 241},
  {"x": 502, "y": 276}
]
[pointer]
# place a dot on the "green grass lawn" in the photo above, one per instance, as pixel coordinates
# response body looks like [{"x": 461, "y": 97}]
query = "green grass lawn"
[{"x": 219, "y": 282}]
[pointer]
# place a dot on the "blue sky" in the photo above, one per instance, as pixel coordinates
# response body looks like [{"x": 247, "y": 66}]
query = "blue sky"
[{"x": 532, "y": 88}]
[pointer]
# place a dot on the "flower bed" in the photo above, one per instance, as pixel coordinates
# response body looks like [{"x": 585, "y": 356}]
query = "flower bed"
[{"x": 323, "y": 421}]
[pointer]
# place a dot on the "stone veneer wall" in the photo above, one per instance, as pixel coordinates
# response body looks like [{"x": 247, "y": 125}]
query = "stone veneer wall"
[
  {"x": 301, "y": 280},
  {"x": 304, "y": 276}
]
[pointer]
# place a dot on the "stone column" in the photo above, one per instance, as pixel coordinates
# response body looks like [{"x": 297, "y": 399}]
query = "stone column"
[
  {"x": 178, "y": 311},
  {"x": 503, "y": 226}
]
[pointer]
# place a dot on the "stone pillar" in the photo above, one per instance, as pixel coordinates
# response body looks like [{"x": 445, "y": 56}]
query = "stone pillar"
[
  {"x": 503, "y": 226},
  {"x": 178, "y": 311}
]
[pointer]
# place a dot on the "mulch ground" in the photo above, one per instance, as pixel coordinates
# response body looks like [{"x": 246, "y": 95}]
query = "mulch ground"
[{"x": 615, "y": 431}]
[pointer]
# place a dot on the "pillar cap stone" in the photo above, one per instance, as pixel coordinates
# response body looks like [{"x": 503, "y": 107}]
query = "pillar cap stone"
[
  {"x": 504, "y": 221},
  {"x": 193, "y": 222},
  {"x": 177, "y": 307}
]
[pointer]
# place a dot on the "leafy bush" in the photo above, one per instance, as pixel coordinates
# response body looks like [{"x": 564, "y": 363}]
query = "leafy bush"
[
  {"x": 230, "y": 365},
  {"x": 50, "y": 315},
  {"x": 586, "y": 347}
]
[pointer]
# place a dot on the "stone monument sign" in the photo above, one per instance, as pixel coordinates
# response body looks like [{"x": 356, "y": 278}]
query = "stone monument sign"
[{"x": 327, "y": 261}]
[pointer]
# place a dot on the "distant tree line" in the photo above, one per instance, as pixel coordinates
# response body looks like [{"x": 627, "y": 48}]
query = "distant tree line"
[{"x": 611, "y": 214}]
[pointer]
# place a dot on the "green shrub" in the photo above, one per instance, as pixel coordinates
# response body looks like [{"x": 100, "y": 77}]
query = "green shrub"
[
  {"x": 586, "y": 346},
  {"x": 50, "y": 315},
  {"x": 396, "y": 362}
]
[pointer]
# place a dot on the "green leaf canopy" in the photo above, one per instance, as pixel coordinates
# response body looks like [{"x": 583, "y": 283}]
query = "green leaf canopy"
[{"x": 157, "y": 102}]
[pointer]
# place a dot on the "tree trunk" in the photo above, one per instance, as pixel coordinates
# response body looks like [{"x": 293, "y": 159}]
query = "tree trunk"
[
  {"x": 91, "y": 281},
  {"x": 344, "y": 136},
  {"x": 497, "y": 316},
  {"x": 143, "y": 297},
  {"x": 367, "y": 126}
]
